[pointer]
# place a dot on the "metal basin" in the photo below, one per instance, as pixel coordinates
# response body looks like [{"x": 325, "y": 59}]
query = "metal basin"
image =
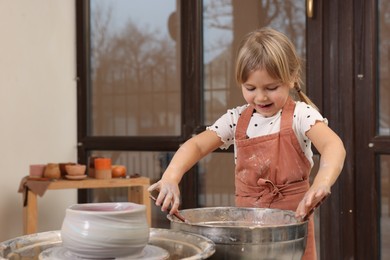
[
  {"x": 247, "y": 233},
  {"x": 180, "y": 245}
]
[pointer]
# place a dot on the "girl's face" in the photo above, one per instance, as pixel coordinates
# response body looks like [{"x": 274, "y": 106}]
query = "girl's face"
[{"x": 266, "y": 94}]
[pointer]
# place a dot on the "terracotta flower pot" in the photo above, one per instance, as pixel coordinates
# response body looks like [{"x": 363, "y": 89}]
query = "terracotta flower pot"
[{"x": 52, "y": 171}]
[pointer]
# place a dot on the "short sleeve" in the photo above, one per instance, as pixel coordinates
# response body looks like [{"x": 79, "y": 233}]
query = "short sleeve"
[
  {"x": 225, "y": 126},
  {"x": 306, "y": 116}
]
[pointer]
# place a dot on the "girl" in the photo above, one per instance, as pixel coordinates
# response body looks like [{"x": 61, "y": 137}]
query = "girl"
[{"x": 271, "y": 134}]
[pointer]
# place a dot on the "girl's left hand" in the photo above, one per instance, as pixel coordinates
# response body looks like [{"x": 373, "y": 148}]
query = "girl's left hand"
[{"x": 313, "y": 197}]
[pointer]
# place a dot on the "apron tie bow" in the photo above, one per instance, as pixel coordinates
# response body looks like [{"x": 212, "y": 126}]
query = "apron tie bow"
[{"x": 270, "y": 193}]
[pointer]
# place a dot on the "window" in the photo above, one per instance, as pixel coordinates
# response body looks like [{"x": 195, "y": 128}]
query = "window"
[{"x": 131, "y": 98}]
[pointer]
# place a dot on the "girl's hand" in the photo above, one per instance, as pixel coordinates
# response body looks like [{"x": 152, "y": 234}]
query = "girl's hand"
[
  {"x": 313, "y": 197},
  {"x": 169, "y": 195}
]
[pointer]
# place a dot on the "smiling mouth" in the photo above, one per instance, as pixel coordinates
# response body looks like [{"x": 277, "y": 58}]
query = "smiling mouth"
[{"x": 264, "y": 106}]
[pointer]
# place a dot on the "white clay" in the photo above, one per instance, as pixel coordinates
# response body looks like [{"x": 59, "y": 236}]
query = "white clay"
[{"x": 105, "y": 230}]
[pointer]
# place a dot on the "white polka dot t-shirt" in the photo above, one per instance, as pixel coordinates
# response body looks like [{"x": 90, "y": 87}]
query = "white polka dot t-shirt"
[{"x": 305, "y": 116}]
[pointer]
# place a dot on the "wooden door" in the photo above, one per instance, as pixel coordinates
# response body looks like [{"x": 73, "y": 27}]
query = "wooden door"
[{"x": 349, "y": 43}]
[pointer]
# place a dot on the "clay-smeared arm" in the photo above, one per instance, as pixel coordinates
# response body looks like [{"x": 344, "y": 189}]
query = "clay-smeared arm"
[
  {"x": 186, "y": 156},
  {"x": 332, "y": 152}
]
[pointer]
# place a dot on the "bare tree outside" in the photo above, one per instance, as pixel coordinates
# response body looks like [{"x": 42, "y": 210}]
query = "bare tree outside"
[
  {"x": 225, "y": 24},
  {"x": 133, "y": 76},
  {"x": 134, "y": 67}
]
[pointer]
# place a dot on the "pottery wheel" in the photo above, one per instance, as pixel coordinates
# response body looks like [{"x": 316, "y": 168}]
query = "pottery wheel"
[{"x": 150, "y": 252}]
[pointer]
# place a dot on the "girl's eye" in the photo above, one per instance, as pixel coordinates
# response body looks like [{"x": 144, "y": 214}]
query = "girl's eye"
[
  {"x": 249, "y": 88},
  {"x": 273, "y": 88}
]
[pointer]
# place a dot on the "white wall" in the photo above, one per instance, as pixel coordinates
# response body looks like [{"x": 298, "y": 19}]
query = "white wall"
[{"x": 37, "y": 104}]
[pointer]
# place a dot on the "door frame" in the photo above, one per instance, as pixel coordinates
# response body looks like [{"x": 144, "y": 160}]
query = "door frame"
[
  {"x": 368, "y": 144},
  {"x": 330, "y": 85}
]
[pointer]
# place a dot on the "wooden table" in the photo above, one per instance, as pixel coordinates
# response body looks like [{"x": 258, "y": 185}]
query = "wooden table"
[{"x": 137, "y": 193}]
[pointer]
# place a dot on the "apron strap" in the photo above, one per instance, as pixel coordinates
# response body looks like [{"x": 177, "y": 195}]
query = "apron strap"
[
  {"x": 243, "y": 122},
  {"x": 287, "y": 115}
]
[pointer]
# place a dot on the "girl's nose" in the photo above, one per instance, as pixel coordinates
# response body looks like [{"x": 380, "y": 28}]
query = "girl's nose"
[{"x": 260, "y": 96}]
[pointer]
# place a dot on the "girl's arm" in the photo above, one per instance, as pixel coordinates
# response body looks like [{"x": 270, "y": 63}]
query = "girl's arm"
[
  {"x": 332, "y": 152},
  {"x": 186, "y": 156}
]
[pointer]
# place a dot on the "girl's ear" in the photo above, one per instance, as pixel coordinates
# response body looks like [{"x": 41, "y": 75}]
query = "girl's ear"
[
  {"x": 296, "y": 84},
  {"x": 295, "y": 79},
  {"x": 292, "y": 85}
]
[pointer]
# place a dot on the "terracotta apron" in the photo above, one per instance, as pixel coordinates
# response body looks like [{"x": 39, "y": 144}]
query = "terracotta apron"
[{"x": 272, "y": 171}]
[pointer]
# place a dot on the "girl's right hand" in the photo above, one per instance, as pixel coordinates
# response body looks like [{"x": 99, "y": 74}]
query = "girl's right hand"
[{"x": 169, "y": 195}]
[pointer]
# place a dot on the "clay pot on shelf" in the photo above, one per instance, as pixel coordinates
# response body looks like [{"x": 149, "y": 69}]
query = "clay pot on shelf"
[
  {"x": 52, "y": 171},
  {"x": 91, "y": 166},
  {"x": 76, "y": 169},
  {"x": 37, "y": 170},
  {"x": 63, "y": 169},
  {"x": 103, "y": 168}
]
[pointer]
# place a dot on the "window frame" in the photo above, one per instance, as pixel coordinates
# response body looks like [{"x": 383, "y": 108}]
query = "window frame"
[{"x": 191, "y": 103}]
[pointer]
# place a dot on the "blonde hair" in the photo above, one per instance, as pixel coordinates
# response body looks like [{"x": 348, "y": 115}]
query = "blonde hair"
[{"x": 271, "y": 50}]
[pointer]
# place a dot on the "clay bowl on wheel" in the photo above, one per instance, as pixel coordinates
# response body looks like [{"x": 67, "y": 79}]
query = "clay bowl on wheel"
[{"x": 105, "y": 230}]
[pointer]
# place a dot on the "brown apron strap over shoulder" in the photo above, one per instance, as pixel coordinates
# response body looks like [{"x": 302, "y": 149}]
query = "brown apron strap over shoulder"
[
  {"x": 243, "y": 122},
  {"x": 287, "y": 116}
]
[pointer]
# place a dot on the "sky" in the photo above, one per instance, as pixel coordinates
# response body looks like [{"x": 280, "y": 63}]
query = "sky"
[
  {"x": 154, "y": 14},
  {"x": 151, "y": 13}
]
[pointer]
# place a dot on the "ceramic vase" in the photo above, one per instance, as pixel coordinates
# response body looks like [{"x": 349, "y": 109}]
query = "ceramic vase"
[{"x": 105, "y": 230}]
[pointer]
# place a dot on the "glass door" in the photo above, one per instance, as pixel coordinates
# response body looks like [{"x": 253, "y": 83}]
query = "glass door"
[{"x": 372, "y": 130}]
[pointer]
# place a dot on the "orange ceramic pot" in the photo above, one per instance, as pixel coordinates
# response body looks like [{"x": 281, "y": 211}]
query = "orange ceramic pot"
[{"x": 103, "y": 168}]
